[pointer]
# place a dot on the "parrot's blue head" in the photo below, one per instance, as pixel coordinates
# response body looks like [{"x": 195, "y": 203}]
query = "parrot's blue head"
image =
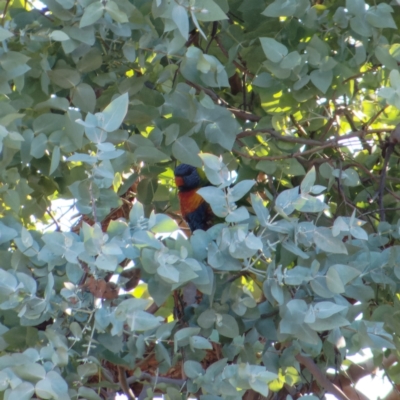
[{"x": 187, "y": 177}]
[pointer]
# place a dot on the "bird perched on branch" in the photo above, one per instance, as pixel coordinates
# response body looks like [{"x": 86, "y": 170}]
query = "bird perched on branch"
[{"x": 194, "y": 209}]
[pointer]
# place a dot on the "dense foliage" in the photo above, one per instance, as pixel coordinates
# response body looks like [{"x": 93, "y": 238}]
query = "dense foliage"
[{"x": 289, "y": 107}]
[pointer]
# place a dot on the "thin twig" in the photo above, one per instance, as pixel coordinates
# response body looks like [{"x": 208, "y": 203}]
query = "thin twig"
[
  {"x": 328, "y": 144},
  {"x": 300, "y": 129},
  {"x": 381, "y": 190},
  {"x": 244, "y": 115},
  {"x": 244, "y": 92},
  {"x": 235, "y": 63},
  {"x": 5, "y": 11},
  {"x": 54, "y": 220},
  {"x": 124, "y": 383},
  {"x": 350, "y": 120},
  {"x": 276, "y": 135},
  {"x": 378, "y": 211},
  {"x": 213, "y": 34},
  {"x": 341, "y": 193},
  {"x": 359, "y": 75},
  {"x": 147, "y": 377},
  {"x": 94, "y": 210},
  {"x": 374, "y": 118}
]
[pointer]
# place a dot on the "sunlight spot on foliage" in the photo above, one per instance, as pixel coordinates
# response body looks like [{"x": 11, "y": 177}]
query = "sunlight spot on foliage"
[{"x": 374, "y": 387}]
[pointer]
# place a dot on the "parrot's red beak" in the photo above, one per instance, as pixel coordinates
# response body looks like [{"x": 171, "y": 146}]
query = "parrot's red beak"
[{"x": 179, "y": 181}]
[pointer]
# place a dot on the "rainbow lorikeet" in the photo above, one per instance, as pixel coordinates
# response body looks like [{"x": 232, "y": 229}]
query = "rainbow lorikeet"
[{"x": 194, "y": 209}]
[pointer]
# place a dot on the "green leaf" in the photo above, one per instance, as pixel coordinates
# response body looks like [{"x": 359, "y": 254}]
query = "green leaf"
[
  {"x": 198, "y": 342},
  {"x": 65, "y": 78},
  {"x": 76, "y": 330},
  {"x": 114, "y": 113},
  {"x": 11, "y": 198},
  {"x": 259, "y": 208},
  {"x": 181, "y": 337},
  {"x": 207, "y": 319},
  {"x": 263, "y": 80},
  {"x": 292, "y": 167},
  {"x": 129, "y": 51},
  {"x": 196, "y": 23},
  {"x": 274, "y": 50},
  {"x": 298, "y": 275},
  {"x": 26, "y": 238},
  {"x": 193, "y": 369},
  {"x": 380, "y": 16},
  {"x": 86, "y": 370},
  {"x": 293, "y": 248},
  {"x": 222, "y": 129},
  {"x": 55, "y": 159},
  {"x": 333, "y": 281},
  {"x": 91, "y": 14},
  {"x": 226, "y": 325},
  {"x": 5, "y": 34},
  {"x": 325, "y": 241},
  {"x": 346, "y": 272},
  {"x": 107, "y": 262},
  {"x": 32, "y": 372},
  {"x": 307, "y": 203},
  {"x": 180, "y": 17},
  {"x": 160, "y": 223},
  {"x": 360, "y": 25},
  {"x": 149, "y": 154},
  {"x": 186, "y": 150},
  {"x": 6, "y": 233},
  {"x": 59, "y": 36},
  {"x": 280, "y": 9},
  {"x": 88, "y": 393},
  {"x": 291, "y": 61},
  {"x": 54, "y": 385},
  {"x": 308, "y": 182},
  {"x": 259, "y": 382},
  {"x": 83, "y": 97},
  {"x": 23, "y": 391},
  {"x": 142, "y": 321},
  {"x": 217, "y": 200},
  {"x": 355, "y": 7},
  {"x": 285, "y": 200},
  {"x": 116, "y": 14},
  {"x": 237, "y": 215},
  {"x": 325, "y": 309},
  {"x": 39, "y": 145},
  {"x": 321, "y": 79},
  {"x": 239, "y": 190},
  {"x": 384, "y": 57},
  {"x": 349, "y": 177},
  {"x": 209, "y": 10},
  {"x": 91, "y": 61},
  {"x": 168, "y": 273}
]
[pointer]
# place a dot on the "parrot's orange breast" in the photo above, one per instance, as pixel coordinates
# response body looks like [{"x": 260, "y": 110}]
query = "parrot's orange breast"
[{"x": 190, "y": 201}]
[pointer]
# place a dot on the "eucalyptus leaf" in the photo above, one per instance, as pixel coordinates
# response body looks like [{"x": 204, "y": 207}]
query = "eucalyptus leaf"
[
  {"x": 274, "y": 50},
  {"x": 114, "y": 113}
]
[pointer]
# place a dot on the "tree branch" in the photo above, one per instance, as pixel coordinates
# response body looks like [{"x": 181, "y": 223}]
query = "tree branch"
[
  {"x": 276, "y": 135},
  {"x": 328, "y": 144},
  {"x": 124, "y": 383},
  {"x": 320, "y": 377},
  {"x": 244, "y": 115},
  {"x": 156, "y": 379},
  {"x": 235, "y": 63},
  {"x": 300, "y": 129}
]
